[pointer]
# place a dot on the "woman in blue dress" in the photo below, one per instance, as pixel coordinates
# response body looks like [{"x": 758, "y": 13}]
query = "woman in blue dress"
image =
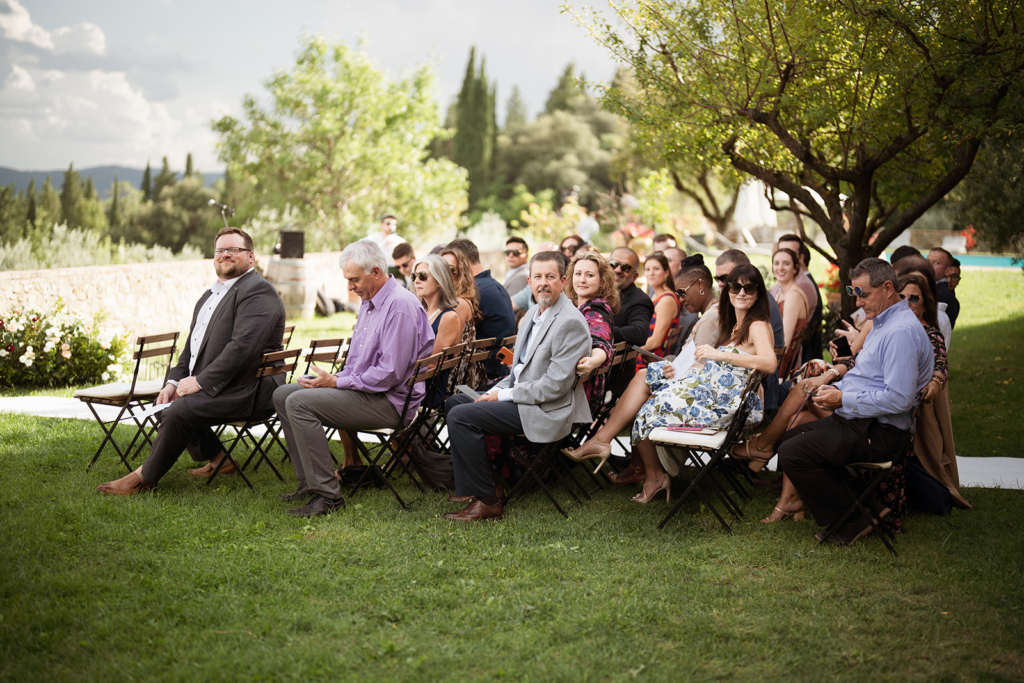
[{"x": 708, "y": 394}]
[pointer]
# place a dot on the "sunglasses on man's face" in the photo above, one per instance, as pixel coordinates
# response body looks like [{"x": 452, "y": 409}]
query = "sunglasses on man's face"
[
  {"x": 626, "y": 268},
  {"x": 720, "y": 279},
  {"x": 420, "y": 275},
  {"x": 512, "y": 252},
  {"x": 858, "y": 291},
  {"x": 914, "y": 299},
  {"x": 748, "y": 288}
]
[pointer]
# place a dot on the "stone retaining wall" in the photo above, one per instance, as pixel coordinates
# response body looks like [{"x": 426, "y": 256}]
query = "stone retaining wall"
[{"x": 145, "y": 298}]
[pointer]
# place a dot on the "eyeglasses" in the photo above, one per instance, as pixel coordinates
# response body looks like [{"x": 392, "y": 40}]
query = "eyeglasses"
[
  {"x": 954, "y": 276},
  {"x": 682, "y": 292},
  {"x": 234, "y": 251},
  {"x": 626, "y": 268},
  {"x": 406, "y": 264},
  {"x": 720, "y": 279},
  {"x": 512, "y": 252},
  {"x": 571, "y": 248},
  {"x": 914, "y": 299},
  {"x": 420, "y": 275},
  {"x": 857, "y": 291},
  {"x": 748, "y": 288}
]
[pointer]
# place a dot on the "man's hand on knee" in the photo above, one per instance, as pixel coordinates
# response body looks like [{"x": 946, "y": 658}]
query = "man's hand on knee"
[
  {"x": 323, "y": 380},
  {"x": 167, "y": 394},
  {"x": 189, "y": 385}
]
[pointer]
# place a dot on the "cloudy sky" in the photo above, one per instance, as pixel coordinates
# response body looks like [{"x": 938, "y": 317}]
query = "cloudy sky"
[{"x": 122, "y": 81}]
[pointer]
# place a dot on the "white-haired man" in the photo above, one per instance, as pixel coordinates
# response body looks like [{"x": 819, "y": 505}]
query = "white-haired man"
[{"x": 391, "y": 334}]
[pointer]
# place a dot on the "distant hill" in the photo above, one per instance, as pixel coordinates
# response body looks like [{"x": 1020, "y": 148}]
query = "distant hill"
[{"x": 102, "y": 177}]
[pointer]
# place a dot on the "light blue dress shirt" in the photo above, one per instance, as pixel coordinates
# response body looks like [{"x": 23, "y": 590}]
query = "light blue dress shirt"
[{"x": 894, "y": 365}]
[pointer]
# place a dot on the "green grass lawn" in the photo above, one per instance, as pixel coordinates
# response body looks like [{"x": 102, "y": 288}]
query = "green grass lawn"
[{"x": 190, "y": 583}]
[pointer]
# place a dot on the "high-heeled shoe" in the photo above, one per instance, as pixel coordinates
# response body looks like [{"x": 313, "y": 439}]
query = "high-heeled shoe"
[
  {"x": 578, "y": 455},
  {"x": 663, "y": 483},
  {"x": 798, "y": 516}
]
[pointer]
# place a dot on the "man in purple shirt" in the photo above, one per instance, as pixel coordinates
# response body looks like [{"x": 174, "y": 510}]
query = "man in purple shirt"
[{"x": 391, "y": 334}]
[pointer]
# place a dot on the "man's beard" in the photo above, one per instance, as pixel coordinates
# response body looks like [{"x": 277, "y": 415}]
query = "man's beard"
[
  {"x": 545, "y": 298},
  {"x": 229, "y": 270}
]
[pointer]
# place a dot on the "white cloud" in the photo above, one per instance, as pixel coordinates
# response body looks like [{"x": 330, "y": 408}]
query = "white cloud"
[
  {"x": 20, "y": 80},
  {"x": 17, "y": 26},
  {"x": 82, "y": 38}
]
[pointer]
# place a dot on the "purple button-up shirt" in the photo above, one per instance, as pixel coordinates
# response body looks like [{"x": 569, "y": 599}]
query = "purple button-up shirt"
[{"x": 392, "y": 333}]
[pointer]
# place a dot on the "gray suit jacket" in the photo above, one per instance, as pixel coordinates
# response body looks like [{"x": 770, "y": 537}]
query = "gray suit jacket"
[{"x": 548, "y": 404}]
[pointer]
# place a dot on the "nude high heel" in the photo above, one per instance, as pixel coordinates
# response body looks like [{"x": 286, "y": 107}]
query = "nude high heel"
[
  {"x": 663, "y": 483},
  {"x": 577, "y": 454}
]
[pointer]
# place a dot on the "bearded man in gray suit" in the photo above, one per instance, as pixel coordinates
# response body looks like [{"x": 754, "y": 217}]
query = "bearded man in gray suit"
[{"x": 537, "y": 398}]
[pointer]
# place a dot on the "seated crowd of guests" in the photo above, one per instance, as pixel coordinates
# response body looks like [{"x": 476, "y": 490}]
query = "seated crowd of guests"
[{"x": 569, "y": 306}]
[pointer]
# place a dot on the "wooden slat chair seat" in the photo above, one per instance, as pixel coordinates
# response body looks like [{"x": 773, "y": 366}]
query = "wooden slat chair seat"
[
  {"x": 131, "y": 397},
  {"x": 272, "y": 364},
  {"x": 394, "y": 441},
  {"x": 705, "y": 451},
  {"x": 432, "y": 420},
  {"x": 333, "y": 353}
]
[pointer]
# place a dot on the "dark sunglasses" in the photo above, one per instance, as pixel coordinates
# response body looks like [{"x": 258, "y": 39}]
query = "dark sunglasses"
[
  {"x": 915, "y": 299},
  {"x": 748, "y": 288},
  {"x": 857, "y": 291},
  {"x": 512, "y": 252},
  {"x": 626, "y": 268},
  {"x": 420, "y": 275},
  {"x": 720, "y": 279}
]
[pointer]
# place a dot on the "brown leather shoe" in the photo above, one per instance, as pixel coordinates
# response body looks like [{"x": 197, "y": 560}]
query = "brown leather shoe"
[
  {"x": 475, "y": 512},
  {"x": 125, "y": 486},
  {"x": 207, "y": 469},
  {"x": 634, "y": 474},
  {"x": 499, "y": 491}
]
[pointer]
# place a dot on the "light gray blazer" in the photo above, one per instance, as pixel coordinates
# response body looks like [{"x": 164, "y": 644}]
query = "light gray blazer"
[{"x": 548, "y": 404}]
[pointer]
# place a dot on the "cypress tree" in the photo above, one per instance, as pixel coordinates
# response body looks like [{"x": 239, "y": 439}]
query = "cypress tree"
[
  {"x": 515, "y": 110},
  {"x": 90, "y": 190},
  {"x": 147, "y": 185},
  {"x": 568, "y": 94},
  {"x": 30, "y": 214},
  {"x": 188, "y": 165},
  {"x": 476, "y": 134},
  {"x": 70, "y": 197},
  {"x": 115, "y": 208}
]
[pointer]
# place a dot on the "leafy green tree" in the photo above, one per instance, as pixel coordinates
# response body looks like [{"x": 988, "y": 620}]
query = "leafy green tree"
[
  {"x": 340, "y": 144},
  {"x": 188, "y": 165},
  {"x": 864, "y": 114},
  {"x": 147, "y": 184},
  {"x": 991, "y": 197},
  {"x": 129, "y": 201},
  {"x": 70, "y": 196},
  {"x": 180, "y": 217},
  {"x": 515, "y": 110},
  {"x": 166, "y": 178},
  {"x": 569, "y": 94},
  {"x": 89, "y": 214},
  {"x": 10, "y": 228}
]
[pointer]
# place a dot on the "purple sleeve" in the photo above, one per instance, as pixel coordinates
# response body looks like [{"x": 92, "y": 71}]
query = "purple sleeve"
[{"x": 395, "y": 366}]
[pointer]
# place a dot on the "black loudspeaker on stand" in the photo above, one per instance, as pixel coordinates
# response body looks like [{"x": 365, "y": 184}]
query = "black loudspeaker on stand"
[{"x": 293, "y": 244}]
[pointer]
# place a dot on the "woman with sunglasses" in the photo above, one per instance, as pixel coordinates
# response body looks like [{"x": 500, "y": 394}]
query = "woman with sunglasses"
[
  {"x": 569, "y": 246},
  {"x": 793, "y": 306},
  {"x": 468, "y": 308},
  {"x": 665, "y": 323},
  {"x": 432, "y": 280},
  {"x": 708, "y": 394}
]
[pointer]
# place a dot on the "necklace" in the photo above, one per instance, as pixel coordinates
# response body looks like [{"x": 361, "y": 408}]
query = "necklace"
[{"x": 433, "y": 315}]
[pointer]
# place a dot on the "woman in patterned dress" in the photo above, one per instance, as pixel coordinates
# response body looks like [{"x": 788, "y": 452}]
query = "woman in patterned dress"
[
  {"x": 708, "y": 394},
  {"x": 468, "y": 311},
  {"x": 665, "y": 322},
  {"x": 591, "y": 286}
]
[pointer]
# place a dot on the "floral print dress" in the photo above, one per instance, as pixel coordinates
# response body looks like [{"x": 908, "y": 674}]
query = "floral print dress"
[
  {"x": 705, "y": 397},
  {"x": 599, "y": 322}
]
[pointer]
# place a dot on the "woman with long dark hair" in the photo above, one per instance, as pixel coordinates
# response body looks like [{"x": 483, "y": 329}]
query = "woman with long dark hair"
[{"x": 708, "y": 395}]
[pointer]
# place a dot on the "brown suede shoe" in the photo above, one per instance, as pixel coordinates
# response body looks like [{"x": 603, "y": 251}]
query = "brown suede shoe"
[
  {"x": 207, "y": 469},
  {"x": 125, "y": 486},
  {"x": 475, "y": 512}
]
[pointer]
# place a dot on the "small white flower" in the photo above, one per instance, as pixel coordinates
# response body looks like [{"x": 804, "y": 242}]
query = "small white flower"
[
  {"x": 105, "y": 376},
  {"x": 48, "y": 347},
  {"x": 28, "y": 349},
  {"x": 113, "y": 367},
  {"x": 3, "y": 353}
]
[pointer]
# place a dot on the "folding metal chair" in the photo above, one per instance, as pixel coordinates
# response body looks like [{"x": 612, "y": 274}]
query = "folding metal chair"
[
  {"x": 289, "y": 330},
  {"x": 130, "y": 397},
  {"x": 277, "y": 363},
  {"x": 686, "y": 448},
  {"x": 394, "y": 441},
  {"x": 853, "y": 475}
]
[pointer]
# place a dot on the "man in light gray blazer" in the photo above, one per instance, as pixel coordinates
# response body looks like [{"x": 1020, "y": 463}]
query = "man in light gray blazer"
[{"x": 536, "y": 399}]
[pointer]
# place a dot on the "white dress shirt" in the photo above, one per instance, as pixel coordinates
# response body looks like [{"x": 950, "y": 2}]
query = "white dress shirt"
[
  {"x": 506, "y": 394},
  {"x": 217, "y": 291}
]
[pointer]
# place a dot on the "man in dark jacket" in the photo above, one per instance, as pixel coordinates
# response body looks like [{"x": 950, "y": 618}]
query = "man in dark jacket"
[{"x": 236, "y": 321}]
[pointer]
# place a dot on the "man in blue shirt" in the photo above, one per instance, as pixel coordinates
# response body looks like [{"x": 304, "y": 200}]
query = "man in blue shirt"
[
  {"x": 872, "y": 402},
  {"x": 495, "y": 304}
]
